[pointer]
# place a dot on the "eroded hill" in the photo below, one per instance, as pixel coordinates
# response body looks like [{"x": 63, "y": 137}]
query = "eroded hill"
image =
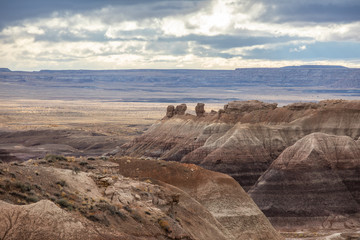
[
  {"x": 68, "y": 198},
  {"x": 244, "y": 138}
]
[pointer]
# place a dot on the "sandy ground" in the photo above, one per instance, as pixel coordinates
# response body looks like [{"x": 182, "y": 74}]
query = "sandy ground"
[{"x": 125, "y": 119}]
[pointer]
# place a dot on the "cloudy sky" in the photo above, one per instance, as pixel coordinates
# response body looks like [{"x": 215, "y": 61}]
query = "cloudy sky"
[{"x": 202, "y": 34}]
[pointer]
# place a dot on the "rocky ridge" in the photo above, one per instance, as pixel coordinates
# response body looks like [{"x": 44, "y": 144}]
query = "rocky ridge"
[{"x": 244, "y": 138}]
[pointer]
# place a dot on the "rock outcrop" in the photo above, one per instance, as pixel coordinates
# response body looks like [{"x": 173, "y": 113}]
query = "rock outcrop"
[
  {"x": 178, "y": 110},
  {"x": 170, "y": 111},
  {"x": 200, "y": 109},
  {"x": 248, "y": 106},
  {"x": 243, "y": 139},
  {"x": 314, "y": 183}
]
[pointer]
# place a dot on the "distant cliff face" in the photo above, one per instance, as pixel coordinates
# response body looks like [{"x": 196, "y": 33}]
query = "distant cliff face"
[
  {"x": 244, "y": 138},
  {"x": 307, "y": 82}
]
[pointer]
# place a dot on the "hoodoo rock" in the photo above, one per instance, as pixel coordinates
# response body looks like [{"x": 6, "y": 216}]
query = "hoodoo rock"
[
  {"x": 180, "y": 109},
  {"x": 170, "y": 111},
  {"x": 314, "y": 183},
  {"x": 244, "y": 138},
  {"x": 200, "y": 109}
]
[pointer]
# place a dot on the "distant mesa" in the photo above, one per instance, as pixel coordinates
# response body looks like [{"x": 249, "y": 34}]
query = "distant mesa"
[
  {"x": 5, "y": 70},
  {"x": 316, "y": 66}
]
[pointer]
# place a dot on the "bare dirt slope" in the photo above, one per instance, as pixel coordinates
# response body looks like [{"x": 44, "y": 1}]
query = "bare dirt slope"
[
  {"x": 217, "y": 192},
  {"x": 59, "y": 198}
]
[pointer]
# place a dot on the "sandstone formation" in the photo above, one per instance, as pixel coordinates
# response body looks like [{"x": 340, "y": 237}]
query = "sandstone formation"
[
  {"x": 221, "y": 195},
  {"x": 178, "y": 110},
  {"x": 200, "y": 109},
  {"x": 314, "y": 183},
  {"x": 244, "y": 138},
  {"x": 170, "y": 111}
]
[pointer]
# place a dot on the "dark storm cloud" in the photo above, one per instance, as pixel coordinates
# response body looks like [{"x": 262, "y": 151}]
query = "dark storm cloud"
[
  {"x": 336, "y": 11},
  {"x": 17, "y": 10},
  {"x": 222, "y": 42}
]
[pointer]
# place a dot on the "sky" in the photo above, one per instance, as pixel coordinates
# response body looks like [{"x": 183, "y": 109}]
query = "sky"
[{"x": 177, "y": 34}]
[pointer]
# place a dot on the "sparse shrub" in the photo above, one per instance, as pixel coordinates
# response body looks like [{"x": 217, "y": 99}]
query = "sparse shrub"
[
  {"x": 61, "y": 183},
  {"x": 164, "y": 225},
  {"x": 112, "y": 209},
  {"x": 42, "y": 162},
  {"x": 37, "y": 187},
  {"x": 104, "y": 158},
  {"x": 90, "y": 167},
  {"x": 83, "y": 163},
  {"x": 136, "y": 217},
  {"x": 64, "y": 203},
  {"x": 55, "y": 157},
  {"x": 33, "y": 199},
  {"x": 18, "y": 195},
  {"x": 127, "y": 208},
  {"x": 91, "y": 159},
  {"x": 147, "y": 213},
  {"x": 23, "y": 187},
  {"x": 93, "y": 218},
  {"x": 76, "y": 170}
]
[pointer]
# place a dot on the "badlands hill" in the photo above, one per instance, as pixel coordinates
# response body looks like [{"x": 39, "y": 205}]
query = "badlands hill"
[
  {"x": 68, "y": 198},
  {"x": 314, "y": 183},
  {"x": 301, "y": 162},
  {"x": 244, "y": 138}
]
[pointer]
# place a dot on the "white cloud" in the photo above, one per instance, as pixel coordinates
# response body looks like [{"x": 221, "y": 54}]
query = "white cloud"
[
  {"x": 105, "y": 38},
  {"x": 298, "y": 49}
]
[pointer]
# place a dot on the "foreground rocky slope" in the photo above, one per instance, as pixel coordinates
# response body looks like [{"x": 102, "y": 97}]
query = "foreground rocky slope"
[
  {"x": 220, "y": 194},
  {"x": 244, "y": 138},
  {"x": 314, "y": 183},
  {"x": 59, "y": 198}
]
